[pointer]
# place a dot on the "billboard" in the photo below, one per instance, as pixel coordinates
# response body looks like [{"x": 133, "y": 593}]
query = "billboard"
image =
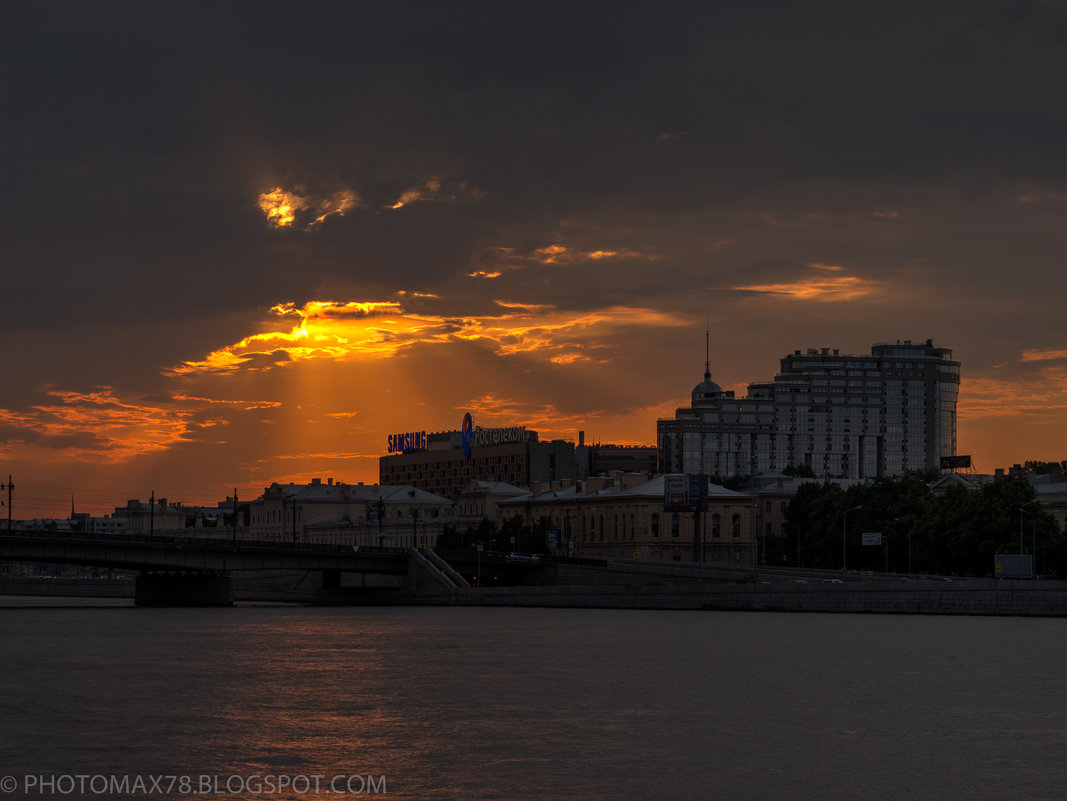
[
  {"x": 873, "y": 538},
  {"x": 955, "y": 462},
  {"x": 685, "y": 492},
  {"x": 1013, "y": 565}
]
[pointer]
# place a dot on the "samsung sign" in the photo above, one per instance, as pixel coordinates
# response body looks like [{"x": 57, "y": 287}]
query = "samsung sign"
[{"x": 405, "y": 443}]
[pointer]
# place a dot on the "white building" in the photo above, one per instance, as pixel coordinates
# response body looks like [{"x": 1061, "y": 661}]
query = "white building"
[{"x": 844, "y": 416}]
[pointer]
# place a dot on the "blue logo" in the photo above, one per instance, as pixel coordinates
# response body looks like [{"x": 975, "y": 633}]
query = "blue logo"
[{"x": 466, "y": 431}]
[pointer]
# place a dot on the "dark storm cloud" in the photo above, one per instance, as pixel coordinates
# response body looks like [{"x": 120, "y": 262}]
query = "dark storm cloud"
[{"x": 140, "y": 135}]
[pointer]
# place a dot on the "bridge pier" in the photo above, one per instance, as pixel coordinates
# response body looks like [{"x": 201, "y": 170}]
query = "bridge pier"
[{"x": 183, "y": 589}]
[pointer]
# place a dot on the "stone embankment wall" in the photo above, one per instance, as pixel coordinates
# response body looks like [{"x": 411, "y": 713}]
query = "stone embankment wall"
[
  {"x": 1044, "y": 599},
  {"x": 67, "y": 587}
]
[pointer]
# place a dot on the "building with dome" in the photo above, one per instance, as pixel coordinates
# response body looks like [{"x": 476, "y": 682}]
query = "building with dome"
[{"x": 843, "y": 416}]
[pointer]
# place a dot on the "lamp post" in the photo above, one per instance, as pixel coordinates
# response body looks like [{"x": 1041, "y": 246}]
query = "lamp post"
[
  {"x": 898, "y": 520},
  {"x": 1033, "y": 558},
  {"x": 794, "y": 525},
  {"x": 844, "y": 535}
]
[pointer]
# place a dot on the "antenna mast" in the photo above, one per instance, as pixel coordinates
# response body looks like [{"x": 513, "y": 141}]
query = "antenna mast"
[{"x": 707, "y": 352}]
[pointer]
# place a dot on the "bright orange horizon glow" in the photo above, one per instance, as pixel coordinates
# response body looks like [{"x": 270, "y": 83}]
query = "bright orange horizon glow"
[{"x": 330, "y": 386}]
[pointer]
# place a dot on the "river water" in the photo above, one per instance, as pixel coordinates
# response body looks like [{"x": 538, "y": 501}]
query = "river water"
[{"x": 468, "y": 703}]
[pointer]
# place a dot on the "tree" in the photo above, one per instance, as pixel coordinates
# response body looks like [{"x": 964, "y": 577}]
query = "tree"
[{"x": 957, "y": 532}]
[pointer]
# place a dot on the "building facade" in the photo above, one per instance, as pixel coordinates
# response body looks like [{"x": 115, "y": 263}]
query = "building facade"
[
  {"x": 624, "y": 516},
  {"x": 844, "y": 416},
  {"x": 439, "y": 462},
  {"x": 344, "y": 514}
]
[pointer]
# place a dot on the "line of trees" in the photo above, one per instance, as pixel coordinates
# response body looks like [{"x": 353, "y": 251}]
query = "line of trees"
[{"x": 957, "y": 532}]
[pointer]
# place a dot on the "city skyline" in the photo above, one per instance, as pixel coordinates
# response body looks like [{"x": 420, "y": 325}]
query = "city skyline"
[{"x": 256, "y": 264}]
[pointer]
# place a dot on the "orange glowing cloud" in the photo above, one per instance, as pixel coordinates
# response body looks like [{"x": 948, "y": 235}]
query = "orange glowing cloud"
[
  {"x": 105, "y": 427},
  {"x": 433, "y": 189},
  {"x": 381, "y": 329},
  {"x": 1043, "y": 355},
  {"x": 819, "y": 288},
  {"x": 283, "y": 208},
  {"x": 1045, "y": 398},
  {"x": 561, "y": 254},
  {"x": 99, "y": 425}
]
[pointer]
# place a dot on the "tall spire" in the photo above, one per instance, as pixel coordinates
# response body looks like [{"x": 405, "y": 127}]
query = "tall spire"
[{"x": 707, "y": 352}]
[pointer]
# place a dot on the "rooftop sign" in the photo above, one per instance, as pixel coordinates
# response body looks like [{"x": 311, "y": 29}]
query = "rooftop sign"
[
  {"x": 406, "y": 443},
  {"x": 481, "y": 437}
]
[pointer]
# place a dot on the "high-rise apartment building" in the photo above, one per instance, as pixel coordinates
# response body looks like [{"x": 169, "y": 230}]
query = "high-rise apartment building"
[{"x": 845, "y": 416}]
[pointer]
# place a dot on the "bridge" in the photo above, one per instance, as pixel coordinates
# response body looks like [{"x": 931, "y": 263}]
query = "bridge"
[
  {"x": 193, "y": 571},
  {"x": 165, "y": 553}
]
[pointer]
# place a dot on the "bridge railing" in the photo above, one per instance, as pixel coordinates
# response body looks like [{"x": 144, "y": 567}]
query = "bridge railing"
[{"x": 223, "y": 543}]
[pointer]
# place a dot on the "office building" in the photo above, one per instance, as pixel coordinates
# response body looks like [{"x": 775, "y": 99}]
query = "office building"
[
  {"x": 843, "y": 416},
  {"x": 439, "y": 462}
]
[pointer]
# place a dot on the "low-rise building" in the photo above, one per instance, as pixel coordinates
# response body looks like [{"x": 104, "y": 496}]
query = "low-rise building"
[
  {"x": 624, "y": 516},
  {"x": 346, "y": 514}
]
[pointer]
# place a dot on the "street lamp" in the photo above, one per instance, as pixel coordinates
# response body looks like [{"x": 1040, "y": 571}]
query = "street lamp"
[
  {"x": 1021, "y": 512},
  {"x": 791, "y": 523},
  {"x": 844, "y": 533},
  {"x": 1033, "y": 558},
  {"x": 898, "y": 520}
]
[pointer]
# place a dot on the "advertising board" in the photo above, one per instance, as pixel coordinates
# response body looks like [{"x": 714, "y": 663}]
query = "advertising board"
[
  {"x": 685, "y": 492},
  {"x": 1013, "y": 565}
]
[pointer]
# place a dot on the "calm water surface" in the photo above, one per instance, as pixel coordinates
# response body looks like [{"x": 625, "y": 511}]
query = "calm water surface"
[{"x": 535, "y": 703}]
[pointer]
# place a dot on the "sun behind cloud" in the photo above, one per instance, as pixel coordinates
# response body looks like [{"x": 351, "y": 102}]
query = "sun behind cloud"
[{"x": 337, "y": 330}]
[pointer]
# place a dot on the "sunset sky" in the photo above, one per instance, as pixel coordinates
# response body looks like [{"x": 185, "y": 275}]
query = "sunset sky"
[{"x": 245, "y": 242}]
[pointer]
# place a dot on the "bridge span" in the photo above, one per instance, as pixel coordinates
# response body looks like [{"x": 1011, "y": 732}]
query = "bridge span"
[
  {"x": 191, "y": 571},
  {"x": 161, "y": 553}
]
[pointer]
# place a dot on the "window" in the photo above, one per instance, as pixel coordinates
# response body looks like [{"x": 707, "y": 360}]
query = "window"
[
  {"x": 674, "y": 524},
  {"x": 655, "y": 524},
  {"x": 715, "y": 527},
  {"x": 737, "y": 526}
]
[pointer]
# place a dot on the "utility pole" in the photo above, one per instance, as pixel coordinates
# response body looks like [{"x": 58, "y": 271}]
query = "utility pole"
[
  {"x": 235, "y": 515},
  {"x": 152, "y": 514},
  {"x": 9, "y": 486}
]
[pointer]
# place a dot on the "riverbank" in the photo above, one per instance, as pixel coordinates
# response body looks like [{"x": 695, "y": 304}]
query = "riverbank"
[{"x": 874, "y": 596}]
